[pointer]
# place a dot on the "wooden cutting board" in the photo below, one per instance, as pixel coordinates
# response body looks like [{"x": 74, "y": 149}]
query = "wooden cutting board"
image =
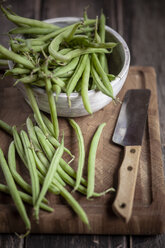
[{"x": 148, "y": 211}]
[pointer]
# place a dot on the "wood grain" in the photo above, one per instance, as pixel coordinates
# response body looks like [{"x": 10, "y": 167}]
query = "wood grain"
[{"x": 148, "y": 214}]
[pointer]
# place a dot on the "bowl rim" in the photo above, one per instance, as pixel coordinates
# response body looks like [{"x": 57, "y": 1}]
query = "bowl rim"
[{"x": 123, "y": 43}]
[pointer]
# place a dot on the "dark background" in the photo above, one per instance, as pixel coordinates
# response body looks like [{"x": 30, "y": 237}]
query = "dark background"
[{"x": 142, "y": 25}]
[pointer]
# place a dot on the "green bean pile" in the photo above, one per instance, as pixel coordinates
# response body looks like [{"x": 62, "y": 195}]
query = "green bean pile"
[{"x": 66, "y": 59}]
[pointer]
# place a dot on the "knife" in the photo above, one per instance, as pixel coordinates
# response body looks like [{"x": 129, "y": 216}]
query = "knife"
[{"x": 129, "y": 133}]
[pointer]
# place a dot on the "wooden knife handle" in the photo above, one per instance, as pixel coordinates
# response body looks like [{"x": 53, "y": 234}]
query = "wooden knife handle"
[{"x": 123, "y": 202}]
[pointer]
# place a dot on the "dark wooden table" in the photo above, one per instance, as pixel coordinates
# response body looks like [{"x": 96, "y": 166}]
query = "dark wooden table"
[{"x": 142, "y": 24}]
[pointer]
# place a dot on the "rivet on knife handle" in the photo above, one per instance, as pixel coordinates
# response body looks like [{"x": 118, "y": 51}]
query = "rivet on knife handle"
[{"x": 123, "y": 203}]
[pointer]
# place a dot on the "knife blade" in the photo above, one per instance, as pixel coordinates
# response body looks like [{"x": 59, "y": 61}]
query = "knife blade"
[{"x": 129, "y": 133}]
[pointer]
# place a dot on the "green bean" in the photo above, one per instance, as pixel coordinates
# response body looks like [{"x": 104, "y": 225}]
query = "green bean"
[
  {"x": 96, "y": 36},
  {"x": 70, "y": 171},
  {"x": 82, "y": 51},
  {"x": 34, "y": 106},
  {"x": 6, "y": 127},
  {"x": 31, "y": 166},
  {"x": 52, "y": 188},
  {"x": 111, "y": 77},
  {"x": 73, "y": 203},
  {"x": 27, "y": 80},
  {"x": 58, "y": 81},
  {"x": 68, "y": 37},
  {"x": 66, "y": 76},
  {"x": 85, "y": 85},
  {"x": 60, "y": 71},
  {"x": 102, "y": 74},
  {"x": 76, "y": 76},
  {"x": 49, "y": 176},
  {"x": 55, "y": 43},
  {"x": 27, "y": 21},
  {"x": 32, "y": 30},
  {"x": 91, "y": 160},
  {"x": 69, "y": 180},
  {"x": 14, "y": 192},
  {"x": 85, "y": 30},
  {"x": 26, "y": 198},
  {"x": 78, "y": 40},
  {"x": 57, "y": 32},
  {"x": 18, "y": 144},
  {"x": 21, "y": 153},
  {"x": 16, "y": 58},
  {"x": 65, "y": 177},
  {"x": 81, "y": 158},
  {"x": 45, "y": 144},
  {"x": 52, "y": 106},
  {"x": 49, "y": 149},
  {"x": 31, "y": 49},
  {"x": 100, "y": 44},
  {"x": 102, "y": 27},
  {"x": 48, "y": 124},
  {"x": 26, "y": 42},
  {"x": 39, "y": 83},
  {"x": 78, "y": 86},
  {"x": 42, "y": 168},
  {"x": 99, "y": 83},
  {"x": 51, "y": 139},
  {"x": 20, "y": 149},
  {"x": 102, "y": 57},
  {"x": 12, "y": 165},
  {"x": 57, "y": 89},
  {"x": 64, "y": 167},
  {"x": 34, "y": 141},
  {"x": 17, "y": 71},
  {"x": 65, "y": 51}
]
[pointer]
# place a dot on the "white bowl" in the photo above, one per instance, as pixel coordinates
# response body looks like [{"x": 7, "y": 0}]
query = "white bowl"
[{"x": 119, "y": 65}]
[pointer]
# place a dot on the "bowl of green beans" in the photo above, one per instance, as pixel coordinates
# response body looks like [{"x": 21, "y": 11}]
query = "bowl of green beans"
[{"x": 82, "y": 82}]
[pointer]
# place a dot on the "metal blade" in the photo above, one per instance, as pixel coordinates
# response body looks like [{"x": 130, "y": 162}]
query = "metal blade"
[{"x": 132, "y": 118}]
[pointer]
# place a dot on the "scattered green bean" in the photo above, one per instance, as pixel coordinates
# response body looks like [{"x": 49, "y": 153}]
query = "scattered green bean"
[
  {"x": 34, "y": 106},
  {"x": 26, "y": 198},
  {"x": 91, "y": 160},
  {"x": 81, "y": 159},
  {"x": 14, "y": 192},
  {"x": 31, "y": 166},
  {"x": 49, "y": 176}
]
